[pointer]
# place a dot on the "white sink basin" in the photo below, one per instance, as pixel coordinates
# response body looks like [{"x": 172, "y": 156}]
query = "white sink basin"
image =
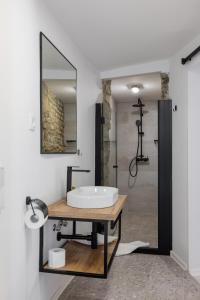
[{"x": 92, "y": 197}]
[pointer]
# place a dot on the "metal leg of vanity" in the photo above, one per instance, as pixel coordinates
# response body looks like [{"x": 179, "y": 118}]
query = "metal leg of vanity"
[{"x": 108, "y": 254}]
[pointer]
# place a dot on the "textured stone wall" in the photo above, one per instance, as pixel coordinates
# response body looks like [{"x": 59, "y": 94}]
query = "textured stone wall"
[
  {"x": 164, "y": 86},
  {"x": 106, "y": 89},
  {"x": 53, "y": 122}
]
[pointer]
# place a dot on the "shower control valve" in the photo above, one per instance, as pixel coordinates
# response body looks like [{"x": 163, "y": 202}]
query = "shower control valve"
[{"x": 142, "y": 158}]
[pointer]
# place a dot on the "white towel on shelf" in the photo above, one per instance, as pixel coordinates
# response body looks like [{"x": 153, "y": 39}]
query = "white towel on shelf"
[
  {"x": 127, "y": 248},
  {"x": 100, "y": 240},
  {"x": 123, "y": 248}
]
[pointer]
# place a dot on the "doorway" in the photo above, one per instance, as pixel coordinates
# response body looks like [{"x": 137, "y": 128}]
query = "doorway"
[{"x": 122, "y": 139}]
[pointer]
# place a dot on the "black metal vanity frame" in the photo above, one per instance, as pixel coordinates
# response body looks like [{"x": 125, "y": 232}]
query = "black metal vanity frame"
[{"x": 107, "y": 264}]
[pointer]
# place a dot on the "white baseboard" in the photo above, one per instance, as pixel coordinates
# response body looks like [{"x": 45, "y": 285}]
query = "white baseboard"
[
  {"x": 197, "y": 278},
  {"x": 59, "y": 292},
  {"x": 196, "y": 274},
  {"x": 178, "y": 260}
]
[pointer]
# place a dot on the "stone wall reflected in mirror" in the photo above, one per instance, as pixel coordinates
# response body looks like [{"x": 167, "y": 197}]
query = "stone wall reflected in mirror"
[{"x": 58, "y": 101}]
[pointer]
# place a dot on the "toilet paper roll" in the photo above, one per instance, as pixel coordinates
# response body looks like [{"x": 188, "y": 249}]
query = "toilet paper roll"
[
  {"x": 56, "y": 258},
  {"x": 35, "y": 221}
]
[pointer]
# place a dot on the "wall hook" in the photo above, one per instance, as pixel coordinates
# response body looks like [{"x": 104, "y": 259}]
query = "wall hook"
[{"x": 29, "y": 201}]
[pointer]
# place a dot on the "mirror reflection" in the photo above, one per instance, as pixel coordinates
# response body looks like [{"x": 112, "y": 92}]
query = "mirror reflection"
[{"x": 58, "y": 101}]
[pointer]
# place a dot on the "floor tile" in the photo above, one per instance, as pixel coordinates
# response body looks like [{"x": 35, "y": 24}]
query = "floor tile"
[{"x": 137, "y": 276}]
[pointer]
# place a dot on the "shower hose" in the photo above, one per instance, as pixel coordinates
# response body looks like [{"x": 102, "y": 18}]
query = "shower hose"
[{"x": 133, "y": 166}]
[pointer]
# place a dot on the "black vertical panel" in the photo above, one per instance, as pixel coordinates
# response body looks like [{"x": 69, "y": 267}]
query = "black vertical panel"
[
  {"x": 165, "y": 176},
  {"x": 99, "y": 120},
  {"x": 98, "y": 143}
]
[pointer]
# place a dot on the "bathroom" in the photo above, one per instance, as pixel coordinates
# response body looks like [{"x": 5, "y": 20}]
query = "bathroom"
[{"x": 88, "y": 36}]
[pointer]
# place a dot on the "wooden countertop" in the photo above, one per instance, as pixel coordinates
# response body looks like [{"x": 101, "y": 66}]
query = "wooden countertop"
[{"x": 61, "y": 209}]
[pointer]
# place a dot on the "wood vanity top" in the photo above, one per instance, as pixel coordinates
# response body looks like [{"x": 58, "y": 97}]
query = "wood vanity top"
[{"x": 61, "y": 209}]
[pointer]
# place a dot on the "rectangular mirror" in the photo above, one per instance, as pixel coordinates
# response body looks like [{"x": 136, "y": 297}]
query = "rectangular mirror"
[{"x": 58, "y": 84}]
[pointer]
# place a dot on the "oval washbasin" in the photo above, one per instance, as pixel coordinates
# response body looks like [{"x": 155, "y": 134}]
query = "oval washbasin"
[{"x": 92, "y": 197}]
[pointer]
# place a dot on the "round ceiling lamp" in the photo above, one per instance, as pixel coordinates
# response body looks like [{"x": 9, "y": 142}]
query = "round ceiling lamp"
[{"x": 135, "y": 89}]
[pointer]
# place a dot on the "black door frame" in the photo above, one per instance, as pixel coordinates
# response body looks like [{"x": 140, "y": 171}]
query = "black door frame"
[
  {"x": 99, "y": 121},
  {"x": 164, "y": 173}
]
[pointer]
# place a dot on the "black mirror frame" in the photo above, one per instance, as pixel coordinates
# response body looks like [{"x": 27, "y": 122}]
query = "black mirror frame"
[{"x": 41, "y": 150}]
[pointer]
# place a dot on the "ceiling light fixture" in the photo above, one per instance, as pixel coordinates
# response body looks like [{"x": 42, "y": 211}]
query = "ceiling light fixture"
[{"x": 135, "y": 88}]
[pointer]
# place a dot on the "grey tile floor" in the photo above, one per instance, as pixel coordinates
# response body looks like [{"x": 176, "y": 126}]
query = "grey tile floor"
[
  {"x": 140, "y": 226},
  {"x": 137, "y": 276}
]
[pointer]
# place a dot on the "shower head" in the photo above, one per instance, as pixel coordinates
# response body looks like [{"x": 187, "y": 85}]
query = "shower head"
[{"x": 138, "y": 123}]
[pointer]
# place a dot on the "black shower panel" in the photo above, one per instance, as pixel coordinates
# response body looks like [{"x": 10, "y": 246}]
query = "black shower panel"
[
  {"x": 139, "y": 124},
  {"x": 138, "y": 157}
]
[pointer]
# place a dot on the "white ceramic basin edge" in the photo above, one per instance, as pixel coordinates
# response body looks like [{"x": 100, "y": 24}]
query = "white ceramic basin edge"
[{"x": 92, "y": 197}]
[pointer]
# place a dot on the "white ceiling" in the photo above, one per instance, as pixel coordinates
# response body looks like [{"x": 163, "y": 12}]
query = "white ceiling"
[
  {"x": 52, "y": 59},
  {"x": 115, "y": 33},
  {"x": 63, "y": 89},
  {"x": 151, "y": 88}
]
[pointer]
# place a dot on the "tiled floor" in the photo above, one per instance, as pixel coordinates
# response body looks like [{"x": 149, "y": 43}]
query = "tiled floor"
[
  {"x": 140, "y": 227},
  {"x": 137, "y": 276}
]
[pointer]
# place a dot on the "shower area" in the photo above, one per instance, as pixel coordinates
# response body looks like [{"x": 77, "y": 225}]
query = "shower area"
[
  {"x": 137, "y": 160},
  {"x": 133, "y": 153}
]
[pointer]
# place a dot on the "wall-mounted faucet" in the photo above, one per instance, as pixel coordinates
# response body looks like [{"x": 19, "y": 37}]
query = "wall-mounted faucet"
[{"x": 69, "y": 175}]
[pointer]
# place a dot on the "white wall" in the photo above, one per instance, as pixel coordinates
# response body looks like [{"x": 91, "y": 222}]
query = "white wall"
[
  {"x": 148, "y": 67},
  {"x": 28, "y": 172},
  {"x": 69, "y": 121},
  {"x": 5, "y": 142},
  {"x": 182, "y": 133},
  {"x": 194, "y": 166}
]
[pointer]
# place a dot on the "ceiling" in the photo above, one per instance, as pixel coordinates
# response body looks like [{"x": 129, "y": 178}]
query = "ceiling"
[
  {"x": 52, "y": 59},
  {"x": 115, "y": 33},
  {"x": 151, "y": 88},
  {"x": 63, "y": 89}
]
